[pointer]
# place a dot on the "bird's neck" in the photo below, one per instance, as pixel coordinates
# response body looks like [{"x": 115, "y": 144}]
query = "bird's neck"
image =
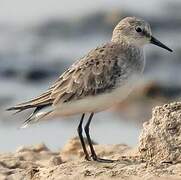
[
  {"x": 132, "y": 50},
  {"x": 126, "y": 42}
]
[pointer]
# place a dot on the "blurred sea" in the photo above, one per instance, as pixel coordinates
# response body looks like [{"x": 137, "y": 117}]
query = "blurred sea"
[{"x": 34, "y": 54}]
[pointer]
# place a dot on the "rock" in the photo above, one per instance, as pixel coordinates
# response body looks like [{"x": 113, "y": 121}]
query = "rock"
[{"x": 160, "y": 140}]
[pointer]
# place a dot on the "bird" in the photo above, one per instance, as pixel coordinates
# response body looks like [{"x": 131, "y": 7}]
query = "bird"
[{"x": 97, "y": 81}]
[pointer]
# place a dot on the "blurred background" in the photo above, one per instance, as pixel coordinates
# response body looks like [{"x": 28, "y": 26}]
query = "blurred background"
[{"x": 40, "y": 39}]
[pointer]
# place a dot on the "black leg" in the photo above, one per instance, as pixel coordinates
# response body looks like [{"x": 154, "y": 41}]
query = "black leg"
[
  {"x": 79, "y": 130},
  {"x": 93, "y": 153}
]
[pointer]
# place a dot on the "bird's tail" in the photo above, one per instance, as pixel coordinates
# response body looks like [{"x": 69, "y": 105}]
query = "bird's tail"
[
  {"x": 35, "y": 116},
  {"x": 39, "y": 113}
]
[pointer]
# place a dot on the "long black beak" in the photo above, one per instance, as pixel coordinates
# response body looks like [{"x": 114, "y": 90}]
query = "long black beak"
[{"x": 158, "y": 43}]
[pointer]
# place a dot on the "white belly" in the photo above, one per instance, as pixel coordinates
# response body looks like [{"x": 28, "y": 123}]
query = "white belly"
[{"x": 95, "y": 103}]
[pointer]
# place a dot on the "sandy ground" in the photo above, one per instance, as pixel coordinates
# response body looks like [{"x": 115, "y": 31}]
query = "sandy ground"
[{"x": 156, "y": 157}]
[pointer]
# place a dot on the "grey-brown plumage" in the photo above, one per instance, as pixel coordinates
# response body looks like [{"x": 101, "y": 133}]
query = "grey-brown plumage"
[
  {"x": 99, "y": 80},
  {"x": 101, "y": 71}
]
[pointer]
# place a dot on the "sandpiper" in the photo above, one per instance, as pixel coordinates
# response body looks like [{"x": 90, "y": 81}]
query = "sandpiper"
[{"x": 99, "y": 80}]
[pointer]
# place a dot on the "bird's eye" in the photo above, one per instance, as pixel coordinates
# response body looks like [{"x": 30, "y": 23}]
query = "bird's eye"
[{"x": 139, "y": 29}]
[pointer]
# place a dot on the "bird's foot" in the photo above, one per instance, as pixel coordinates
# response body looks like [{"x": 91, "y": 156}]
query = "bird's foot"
[{"x": 95, "y": 158}]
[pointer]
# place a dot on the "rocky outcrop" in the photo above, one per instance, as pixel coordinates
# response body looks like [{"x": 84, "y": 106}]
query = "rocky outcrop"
[{"x": 160, "y": 140}]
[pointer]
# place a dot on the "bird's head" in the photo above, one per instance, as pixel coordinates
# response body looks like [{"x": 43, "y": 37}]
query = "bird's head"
[{"x": 135, "y": 31}]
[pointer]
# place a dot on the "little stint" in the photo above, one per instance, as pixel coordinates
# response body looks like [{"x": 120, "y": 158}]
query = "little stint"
[{"x": 99, "y": 80}]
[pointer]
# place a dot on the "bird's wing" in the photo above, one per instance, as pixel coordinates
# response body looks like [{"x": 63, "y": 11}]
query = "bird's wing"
[{"x": 90, "y": 75}]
